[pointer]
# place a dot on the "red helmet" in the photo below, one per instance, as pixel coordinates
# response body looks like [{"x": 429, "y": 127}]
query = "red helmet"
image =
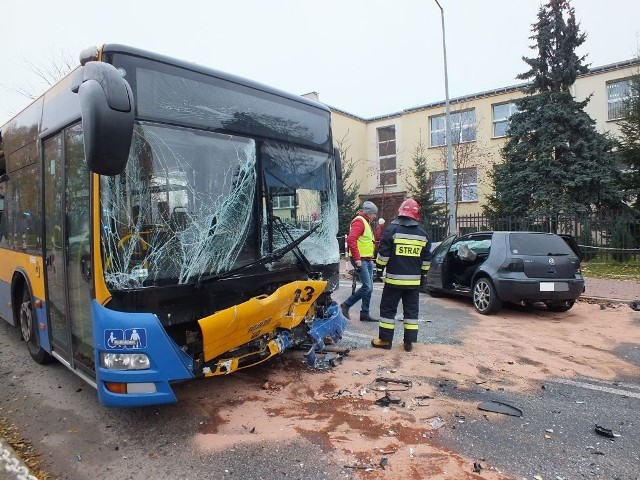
[{"x": 409, "y": 208}]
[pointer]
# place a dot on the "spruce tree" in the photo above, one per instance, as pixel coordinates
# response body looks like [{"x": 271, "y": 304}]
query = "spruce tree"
[
  {"x": 554, "y": 159},
  {"x": 348, "y": 208},
  {"x": 419, "y": 188},
  {"x": 630, "y": 143},
  {"x": 419, "y": 185}
]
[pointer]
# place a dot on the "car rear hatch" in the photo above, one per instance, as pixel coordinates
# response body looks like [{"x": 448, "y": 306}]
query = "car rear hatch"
[{"x": 544, "y": 255}]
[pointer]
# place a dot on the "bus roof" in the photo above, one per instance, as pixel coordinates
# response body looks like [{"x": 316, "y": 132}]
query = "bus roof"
[{"x": 117, "y": 48}]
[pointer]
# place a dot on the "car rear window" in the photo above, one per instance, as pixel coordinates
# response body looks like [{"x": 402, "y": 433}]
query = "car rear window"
[{"x": 538, "y": 244}]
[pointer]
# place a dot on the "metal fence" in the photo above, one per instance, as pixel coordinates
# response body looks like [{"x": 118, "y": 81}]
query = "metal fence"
[{"x": 600, "y": 236}]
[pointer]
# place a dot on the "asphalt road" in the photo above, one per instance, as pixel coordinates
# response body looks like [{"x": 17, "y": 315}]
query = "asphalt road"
[
  {"x": 81, "y": 440},
  {"x": 566, "y": 411}
]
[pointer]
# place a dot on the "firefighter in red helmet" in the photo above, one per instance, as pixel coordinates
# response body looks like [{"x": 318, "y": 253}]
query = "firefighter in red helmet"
[{"x": 404, "y": 252}]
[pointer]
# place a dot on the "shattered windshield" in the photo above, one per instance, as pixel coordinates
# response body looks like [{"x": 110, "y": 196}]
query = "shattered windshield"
[
  {"x": 300, "y": 187},
  {"x": 183, "y": 208}
]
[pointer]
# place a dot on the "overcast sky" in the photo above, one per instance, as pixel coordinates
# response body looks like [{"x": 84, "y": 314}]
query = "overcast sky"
[{"x": 366, "y": 57}]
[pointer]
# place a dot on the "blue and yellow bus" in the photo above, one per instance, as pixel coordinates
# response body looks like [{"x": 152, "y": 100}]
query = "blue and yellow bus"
[{"x": 162, "y": 221}]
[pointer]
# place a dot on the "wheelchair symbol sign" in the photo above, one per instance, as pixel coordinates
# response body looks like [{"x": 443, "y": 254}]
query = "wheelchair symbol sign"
[{"x": 131, "y": 338}]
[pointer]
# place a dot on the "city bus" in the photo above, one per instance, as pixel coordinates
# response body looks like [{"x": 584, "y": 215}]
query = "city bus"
[{"x": 162, "y": 221}]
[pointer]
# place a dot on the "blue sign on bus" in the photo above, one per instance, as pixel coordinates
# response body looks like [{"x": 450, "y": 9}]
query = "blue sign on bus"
[{"x": 131, "y": 338}]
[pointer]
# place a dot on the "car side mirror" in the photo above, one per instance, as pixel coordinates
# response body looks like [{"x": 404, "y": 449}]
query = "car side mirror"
[{"x": 106, "y": 103}]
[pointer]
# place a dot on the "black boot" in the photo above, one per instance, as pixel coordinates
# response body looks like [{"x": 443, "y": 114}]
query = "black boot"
[{"x": 365, "y": 317}]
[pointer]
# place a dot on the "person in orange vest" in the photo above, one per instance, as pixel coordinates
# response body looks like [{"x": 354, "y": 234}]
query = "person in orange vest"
[
  {"x": 360, "y": 241},
  {"x": 404, "y": 252}
]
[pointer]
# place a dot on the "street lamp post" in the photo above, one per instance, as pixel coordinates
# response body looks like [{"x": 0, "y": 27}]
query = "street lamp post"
[{"x": 451, "y": 187}]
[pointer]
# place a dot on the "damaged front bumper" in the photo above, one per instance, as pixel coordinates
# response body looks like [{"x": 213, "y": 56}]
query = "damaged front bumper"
[
  {"x": 262, "y": 327},
  {"x": 297, "y": 314}
]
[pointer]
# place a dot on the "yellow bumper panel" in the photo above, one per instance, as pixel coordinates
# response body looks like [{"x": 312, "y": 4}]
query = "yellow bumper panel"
[{"x": 240, "y": 324}]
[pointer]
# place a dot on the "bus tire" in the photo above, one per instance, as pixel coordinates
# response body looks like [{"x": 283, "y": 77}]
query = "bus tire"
[{"x": 29, "y": 329}]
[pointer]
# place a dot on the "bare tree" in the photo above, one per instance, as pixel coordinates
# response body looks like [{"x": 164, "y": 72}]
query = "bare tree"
[
  {"x": 45, "y": 74},
  {"x": 467, "y": 153}
]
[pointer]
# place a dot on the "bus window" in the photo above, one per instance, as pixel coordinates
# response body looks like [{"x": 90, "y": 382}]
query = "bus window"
[{"x": 3, "y": 190}]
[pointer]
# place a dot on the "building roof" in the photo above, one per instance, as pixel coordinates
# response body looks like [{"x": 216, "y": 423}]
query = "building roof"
[{"x": 488, "y": 93}]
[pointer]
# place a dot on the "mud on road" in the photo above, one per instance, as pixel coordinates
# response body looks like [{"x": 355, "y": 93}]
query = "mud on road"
[
  {"x": 510, "y": 355},
  {"x": 431, "y": 430}
]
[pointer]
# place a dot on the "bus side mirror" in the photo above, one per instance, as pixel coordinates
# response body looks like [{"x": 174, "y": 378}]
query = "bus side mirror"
[
  {"x": 339, "y": 185},
  {"x": 106, "y": 103}
]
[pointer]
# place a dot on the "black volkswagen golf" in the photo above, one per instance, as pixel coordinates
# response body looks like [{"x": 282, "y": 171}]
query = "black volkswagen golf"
[{"x": 497, "y": 267}]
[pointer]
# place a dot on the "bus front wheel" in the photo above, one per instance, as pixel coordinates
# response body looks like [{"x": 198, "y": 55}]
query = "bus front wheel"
[{"x": 29, "y": 330}]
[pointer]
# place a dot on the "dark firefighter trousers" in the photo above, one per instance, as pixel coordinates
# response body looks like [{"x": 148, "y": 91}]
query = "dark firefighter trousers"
[{"x": 389, "y": 306}]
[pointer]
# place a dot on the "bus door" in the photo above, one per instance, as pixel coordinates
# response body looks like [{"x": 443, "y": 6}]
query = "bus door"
[{"x": 67, "y": 248}]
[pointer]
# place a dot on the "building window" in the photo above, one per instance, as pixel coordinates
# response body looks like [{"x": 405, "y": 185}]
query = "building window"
[
  {"x": 467, "y": 185},
  {"x": 463, "y": 128},
  {"x": 387, "y": 155},
  {"x": 501, "y": 118},
  {"x": 617, "y": 93},
  {"x": 285, "y": 198}
]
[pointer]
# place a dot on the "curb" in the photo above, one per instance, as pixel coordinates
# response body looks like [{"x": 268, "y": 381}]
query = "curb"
[
  {"x": 11, "y": 467},
  {"x": 584, "y": 298},
  {"x": 595, "y": 299}
]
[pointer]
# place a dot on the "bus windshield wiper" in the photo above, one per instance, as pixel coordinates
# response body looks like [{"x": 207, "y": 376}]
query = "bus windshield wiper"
[
  {"x": 304, "y": 261},
  {"x": 268, "y": 258}
]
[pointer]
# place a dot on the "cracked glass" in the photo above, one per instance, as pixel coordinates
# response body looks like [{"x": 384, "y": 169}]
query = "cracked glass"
[
  {"x": 183, "y": 208},
  {"x": 301, "y": 189}
]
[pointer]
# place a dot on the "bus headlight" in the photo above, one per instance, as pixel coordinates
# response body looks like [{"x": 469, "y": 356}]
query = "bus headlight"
[{"x": 124, "y": 361}]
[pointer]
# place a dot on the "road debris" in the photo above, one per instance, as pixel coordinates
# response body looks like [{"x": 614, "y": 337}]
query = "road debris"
[
  {"x": 477, "y": 467},
  {"x": 339, "y": 394},
  {"x": 366, "y": 468},
  {"x": 436, "y": 423},
  {"x": 605, "y": 432},
  {"x": 500, "y": 407},
  {"x": 419, "y": 400},
  {"x": 381, "y": 384},
  {"x": 387, "y": 400}
]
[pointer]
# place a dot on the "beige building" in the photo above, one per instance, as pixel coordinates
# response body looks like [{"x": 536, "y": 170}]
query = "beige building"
[{"x": 382, "y": 147}]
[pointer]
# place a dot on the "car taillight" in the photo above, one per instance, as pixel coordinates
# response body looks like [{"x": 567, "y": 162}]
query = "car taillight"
[{"x": 514, "y": 265}]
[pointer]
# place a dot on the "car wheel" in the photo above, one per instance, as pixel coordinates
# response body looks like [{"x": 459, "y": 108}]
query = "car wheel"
[
  {"x": 434, "y": 293},
  {"x": 485, "y": 298},
  {"x": 560, "y": 306},
  {"x": 29, "y": 330}
]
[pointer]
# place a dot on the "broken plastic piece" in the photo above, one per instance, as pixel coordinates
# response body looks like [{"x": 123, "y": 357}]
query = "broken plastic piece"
[
  {"x": 437, "y": 423},
  {"x": 499, "y": 407},
  {"x": 338, "y": 394},
  {"x": 605, "y": 432},
  {"x": 419, "y": 400},
  {"x": 383, "y": 462},
  {"x": 368, "y": 468},
  {"x": 381, "y": 384},
  {"x": 387, "y": 400},
  {"x": 333, "y": 325}
]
